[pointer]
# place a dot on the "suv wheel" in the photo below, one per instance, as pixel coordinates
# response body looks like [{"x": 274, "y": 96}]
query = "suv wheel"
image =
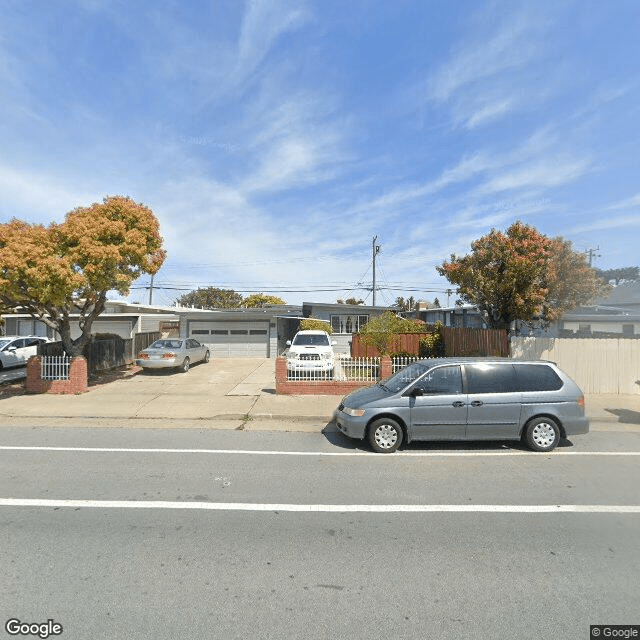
[
  {"x": 385, "y": 435},
  {"x": 542, "y": 434}
]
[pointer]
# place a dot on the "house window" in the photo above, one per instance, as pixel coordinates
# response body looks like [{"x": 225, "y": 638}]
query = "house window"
[
  {"x": 584, "y": 328},
  {"x": 628, "y": 329},
  {"x": 348, "y": 323}
]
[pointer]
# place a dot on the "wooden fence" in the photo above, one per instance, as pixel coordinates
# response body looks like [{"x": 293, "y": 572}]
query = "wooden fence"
[
  {"x": 106, "y": 353},
  {"x": 458, "y": 341}
]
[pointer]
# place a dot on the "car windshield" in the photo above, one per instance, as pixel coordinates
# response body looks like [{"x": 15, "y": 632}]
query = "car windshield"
[
  {"x": 166, "y": 344},
  {"x": 311, "y": 340},
  {"x": 404, "y": 377},
  {"x": 4, "y": 343}
]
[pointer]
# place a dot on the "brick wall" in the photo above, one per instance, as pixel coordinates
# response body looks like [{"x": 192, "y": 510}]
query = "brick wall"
[
  {"x": 322, "y": 387},
  {"x": 77, "y": 382}
]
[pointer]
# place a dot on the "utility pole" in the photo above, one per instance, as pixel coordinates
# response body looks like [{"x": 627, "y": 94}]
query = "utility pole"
[
  {"x": 151, "y": 291},
  {"x": 376, "y": 251},
  {"x": 592, "y": 254}
]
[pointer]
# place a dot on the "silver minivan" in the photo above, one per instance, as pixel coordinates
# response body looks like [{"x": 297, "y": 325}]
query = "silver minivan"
[{"x": 467, "y": 399}]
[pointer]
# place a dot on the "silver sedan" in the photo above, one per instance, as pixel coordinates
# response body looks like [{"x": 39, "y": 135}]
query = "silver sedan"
[{"x": 172, "y": 352}]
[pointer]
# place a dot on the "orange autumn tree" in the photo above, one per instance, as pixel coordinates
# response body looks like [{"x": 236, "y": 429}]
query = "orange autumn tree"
[
  {"x": 67, "y": 269},
  {"x": 522, "y": 275}
]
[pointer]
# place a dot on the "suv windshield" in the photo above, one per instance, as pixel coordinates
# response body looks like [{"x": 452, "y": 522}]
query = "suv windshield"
[
  {"x": 311, "y": 340},
  {"x": 402, "y": 378}
]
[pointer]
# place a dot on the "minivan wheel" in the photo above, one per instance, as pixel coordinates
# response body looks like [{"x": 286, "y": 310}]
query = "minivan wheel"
[
  {"x": 385, "y": 435},
  {"x": 542, "y": 434}
]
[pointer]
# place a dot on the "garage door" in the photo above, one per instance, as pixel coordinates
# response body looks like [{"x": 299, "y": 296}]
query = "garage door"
[{"x": 232, "y": 339}]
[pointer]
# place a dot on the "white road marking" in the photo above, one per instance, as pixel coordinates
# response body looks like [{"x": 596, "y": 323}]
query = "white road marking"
[
  {"x": 323, "y": 508},
  {"x": 397, "y": 454},
  {"x": 315, "y": 453}
]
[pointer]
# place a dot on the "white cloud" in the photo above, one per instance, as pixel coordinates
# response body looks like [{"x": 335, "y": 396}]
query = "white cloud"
[
  {"x": 511, "y": 47},
  {"x": 546, "y": 173}
]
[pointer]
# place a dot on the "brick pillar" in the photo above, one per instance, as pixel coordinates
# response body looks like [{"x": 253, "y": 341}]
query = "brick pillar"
[
  {"x": 386, "y": 367},
  {"x": 77, "y": 382},
  {"x": 78, "y": 375},
  {"x": 281, "y": 372}
]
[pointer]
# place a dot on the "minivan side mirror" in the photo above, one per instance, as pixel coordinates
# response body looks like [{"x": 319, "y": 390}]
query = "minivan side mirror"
[
  {"x": 288, "y": 343},
  {"x": 334, "y": 343}
]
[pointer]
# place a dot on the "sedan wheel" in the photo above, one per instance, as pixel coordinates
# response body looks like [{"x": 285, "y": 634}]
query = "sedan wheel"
[
  {"x": 185, "y": 366},
  {"x": 542, "y": 434},
  {"x": 385, "y": 435},
  {"x": 207, "y": 355}
]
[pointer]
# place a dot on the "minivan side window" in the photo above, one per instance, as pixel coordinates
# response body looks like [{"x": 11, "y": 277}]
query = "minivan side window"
[
  {"x": 537, "y": 377},
  {"x": 441, "y": 381},
  {"x": 490, "y": 378}
]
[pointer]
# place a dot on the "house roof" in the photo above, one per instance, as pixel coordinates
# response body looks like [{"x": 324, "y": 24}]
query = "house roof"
[{"x": 625, "y": 294}]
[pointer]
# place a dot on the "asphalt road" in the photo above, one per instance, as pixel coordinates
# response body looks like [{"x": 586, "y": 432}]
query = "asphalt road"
[{"x": 119, "y": 533}]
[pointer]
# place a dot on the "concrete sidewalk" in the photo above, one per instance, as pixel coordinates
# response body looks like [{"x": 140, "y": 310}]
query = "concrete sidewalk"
[{"x": 223, "y": 394}]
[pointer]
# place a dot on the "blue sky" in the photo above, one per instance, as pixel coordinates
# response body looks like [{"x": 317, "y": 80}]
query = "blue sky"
[{"x": 275, "y": 139}]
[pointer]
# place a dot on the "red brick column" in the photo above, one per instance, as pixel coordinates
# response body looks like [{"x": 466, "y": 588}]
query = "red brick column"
[
  {"x": 386, "y": 367},
  {"x": 77, "y": 382}
]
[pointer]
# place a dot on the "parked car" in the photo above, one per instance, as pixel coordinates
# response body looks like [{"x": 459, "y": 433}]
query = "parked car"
[
  {"x": 173, "y": 353},
  {"x": 467, "y": 399},
  {"x": 16, "y": 350},
  {"x": 311, "y": 354}
]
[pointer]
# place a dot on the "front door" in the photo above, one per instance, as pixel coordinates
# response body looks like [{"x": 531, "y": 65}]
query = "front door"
[{"x": 440, "y": 412}]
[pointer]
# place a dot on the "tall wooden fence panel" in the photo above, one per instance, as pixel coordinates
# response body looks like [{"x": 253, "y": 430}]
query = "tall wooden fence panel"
[
  {"x": 408, "y": 342},
  {"x": 597, "y": 365},
  {"x": 460, "y": 341}
]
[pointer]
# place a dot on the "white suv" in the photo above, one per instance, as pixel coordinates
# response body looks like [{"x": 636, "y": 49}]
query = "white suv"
[
  {"x": 310, "y": 352},
  {"x": 16, "y": 350}
]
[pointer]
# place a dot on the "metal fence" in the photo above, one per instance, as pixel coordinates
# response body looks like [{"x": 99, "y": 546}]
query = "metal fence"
[
  {"x": 357, "y": 369},
  {"x": 351, "y": 370},
  {"x": 54, "y": 367},
  {"x": 401, "y": 363}
]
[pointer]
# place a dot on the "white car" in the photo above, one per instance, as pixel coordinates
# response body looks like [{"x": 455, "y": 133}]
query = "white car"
[
  {"x": 16, "y": 350},
  {"x": 310, "y": 354}
]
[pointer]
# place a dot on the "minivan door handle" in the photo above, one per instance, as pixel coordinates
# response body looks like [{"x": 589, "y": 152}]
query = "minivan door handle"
[
  {"x": 458, "y": 404},
  {"x": 477, "y": 403}
]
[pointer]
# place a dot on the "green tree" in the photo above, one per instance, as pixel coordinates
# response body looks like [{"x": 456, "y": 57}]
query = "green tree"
[
  {"x": 380, "y": 331},
  {"x": 261, "y": 300},
  {"x": 315, "y": 324},
  {"x": 353, "y": 301},
  {"x": 522, "y": 275},
  {"x": 63, "y": 269},
  {"x": 211, "y": 298},
  {"x": 625, "y": 274}
]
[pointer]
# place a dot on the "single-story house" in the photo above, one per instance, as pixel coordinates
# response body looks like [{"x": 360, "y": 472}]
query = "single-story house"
[
  {"x": 119, "y": 317},
  {"x": 244, "y": 332}
]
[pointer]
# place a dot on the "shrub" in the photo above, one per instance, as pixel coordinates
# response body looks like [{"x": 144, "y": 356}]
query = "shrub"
[
  {"x": 314, "y": 324},
  {"x": 433, "y": 345}
]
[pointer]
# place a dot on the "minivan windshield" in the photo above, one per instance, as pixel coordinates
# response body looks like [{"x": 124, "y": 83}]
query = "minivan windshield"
[
  {"x": 311, "y": 340},
  {"x": 404, "y": 377}
]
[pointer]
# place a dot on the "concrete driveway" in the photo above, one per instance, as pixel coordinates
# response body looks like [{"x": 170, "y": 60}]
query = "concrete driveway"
[
  {"x": 234, "y": 393},
  {"x": 13, "y": 374}
]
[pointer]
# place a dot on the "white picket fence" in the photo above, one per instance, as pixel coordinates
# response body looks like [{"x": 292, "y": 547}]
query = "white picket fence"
[
  {"x": 352, "y": 370},
  {"x": 597, "y": 365},
  {"x": 54, "y": 367}
]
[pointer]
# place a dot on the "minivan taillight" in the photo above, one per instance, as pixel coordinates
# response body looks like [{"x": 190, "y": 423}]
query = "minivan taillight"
[{"x": 581, "y": 401}]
